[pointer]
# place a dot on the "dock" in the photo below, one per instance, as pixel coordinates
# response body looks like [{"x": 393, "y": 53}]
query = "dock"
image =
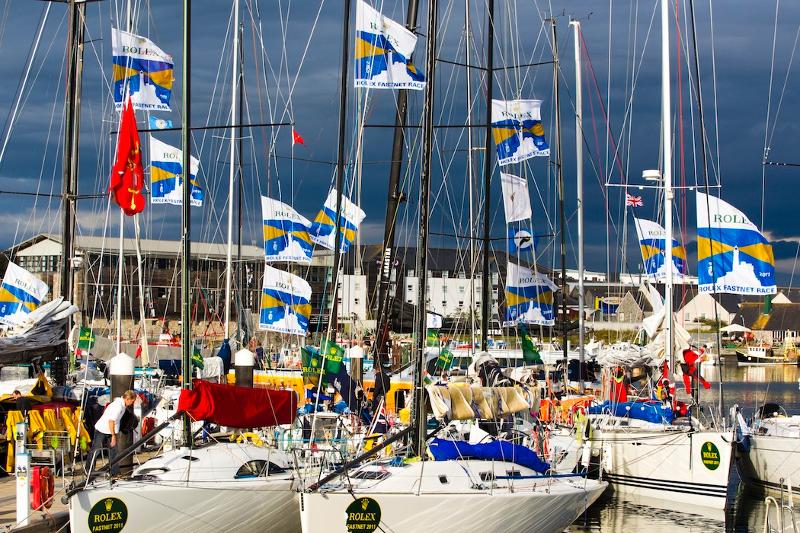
[{"x": 56, "y": 518}]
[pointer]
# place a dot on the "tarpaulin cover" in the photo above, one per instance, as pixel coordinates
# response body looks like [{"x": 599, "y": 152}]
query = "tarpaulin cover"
[
  {"x": 444, "y": 450},
  {"x": 238, "y": 407},
  {"x": 654, "y": 412}
]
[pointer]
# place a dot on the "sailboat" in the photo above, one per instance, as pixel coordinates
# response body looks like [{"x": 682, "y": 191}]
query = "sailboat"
[
  {"x": 208, "y": 487},
  {"x": 481, "y": 494}
]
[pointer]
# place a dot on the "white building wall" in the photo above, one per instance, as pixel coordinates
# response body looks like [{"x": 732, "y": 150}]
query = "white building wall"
[
  {"x": 447, "y": 296},
  {"x": 702, "y": 307},
  {"x": 352, "y": 294}
]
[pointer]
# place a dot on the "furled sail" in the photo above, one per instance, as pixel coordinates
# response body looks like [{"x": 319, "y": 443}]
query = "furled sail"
[
  {"x": 462, "y": 401},
  {"x": 732, "y": 255}
]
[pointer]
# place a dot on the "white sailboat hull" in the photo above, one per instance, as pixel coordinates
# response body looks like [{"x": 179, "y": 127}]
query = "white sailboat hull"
[
  {"x": 773, "y": 461},
  {"x": 414, "y": 498},
  {"x": 255, "y": 506},
  {"x": 667, "y": 465}
]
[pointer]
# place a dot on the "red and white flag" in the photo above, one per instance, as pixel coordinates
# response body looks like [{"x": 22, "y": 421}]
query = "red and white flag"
[
  {"x": 296, "y": 138},
  {"x": 633, "y": 201}
]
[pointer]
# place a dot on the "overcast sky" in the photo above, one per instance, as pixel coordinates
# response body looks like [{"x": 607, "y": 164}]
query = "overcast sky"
[{"x": 292, "y": 75}]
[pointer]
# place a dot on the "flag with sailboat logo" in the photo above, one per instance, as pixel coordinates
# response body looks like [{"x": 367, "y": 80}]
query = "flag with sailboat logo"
[
  {"x": 166, "y": 175},
  {"x": 517, "y": 130},
  {"x": 383, "y": 52},
  {"x": 322, "y": 229},
  {"x": 20, "y": 293},
  {"x": 652, "y": 242},
  {"x": 285, "y": 233},
  {"x": 142, "y": 70},
  {"x": 516, "y": 200},
  {"x": 529, "y": 297},
  {"x": 285, "y": 302},
  {"x": 732, "y": 255}
]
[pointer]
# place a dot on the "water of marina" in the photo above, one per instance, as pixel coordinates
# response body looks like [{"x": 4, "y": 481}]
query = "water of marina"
[{"x": 748, "y": 387}]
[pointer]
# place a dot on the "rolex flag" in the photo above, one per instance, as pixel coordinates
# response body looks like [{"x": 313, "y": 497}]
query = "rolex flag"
[
  {"x": 517, "y": 130},
  {"x": 285, "y": 302},
  {"x": 20, "y": 293},
  {"x": 322, "y": 230},
  {"x": 383, "y": 52},
  {"x": 166, "y": 175},
  {"x": 142, "y": 70},
  {"x": 285, "y": 233}
]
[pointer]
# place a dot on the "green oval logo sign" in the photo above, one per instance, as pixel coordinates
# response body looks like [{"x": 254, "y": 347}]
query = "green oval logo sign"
[
  {"x": 108, "y": 515},
  {"x": 364, "y": 514},
  {"x": 710, "y": 455}
]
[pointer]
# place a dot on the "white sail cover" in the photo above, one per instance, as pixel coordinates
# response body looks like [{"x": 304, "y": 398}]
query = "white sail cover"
[
  {"x": 322, "y": 230},
  {"x": 517, "y": 130},
  {"x": 383, "y": 52},
  {"x": 516, "y": 200},
  {"x": 285, "y": 302},
  {"x": 529, "y": 297},
  {"x": 732, "y": 255},
  {"x": 652, "y": 242},
  {"x": 20, "y": 293},
  {"x": 142, "y": 70},
  {"x": 285, "y": 233},
  {"x": 166, "y": 175}
]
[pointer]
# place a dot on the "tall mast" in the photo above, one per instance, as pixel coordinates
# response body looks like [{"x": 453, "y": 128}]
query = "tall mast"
[
  {"x": 576, "y": 26},
  {"x": 186, "y": 330},
  {"x": 232, "y": 170},
  {"x": 666, "y": 140},
  {"x": 240, "y": 190},
  {"x": 422, "y": 241},
  {"x": 72, "y": 118},
  {"x": 337, "y": 255},
  {"x": 395, "y": 197},
  {"x": 562, "y": 215},
  {"x": 470, "y": 176},
  {"x": 486, "y": 288}
]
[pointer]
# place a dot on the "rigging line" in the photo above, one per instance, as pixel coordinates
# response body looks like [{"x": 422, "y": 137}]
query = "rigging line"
[
  {"x": 783, "y": 89},
  {"x": 718, "y": 161},
  {"x": 23, "y": 82},
  {"x": 769, "y": 108}
]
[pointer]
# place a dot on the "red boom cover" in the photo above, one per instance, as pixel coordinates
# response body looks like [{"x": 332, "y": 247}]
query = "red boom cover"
[{"x": 238, "y": 407}]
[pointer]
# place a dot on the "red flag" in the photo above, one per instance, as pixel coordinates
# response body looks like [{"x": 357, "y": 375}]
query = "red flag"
[
  {"x": 296, "y": 138},
  {"x": 127, "y": 176}
]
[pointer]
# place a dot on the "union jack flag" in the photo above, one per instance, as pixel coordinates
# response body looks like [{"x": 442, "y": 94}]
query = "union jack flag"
[{"x": 633, "y": 201}]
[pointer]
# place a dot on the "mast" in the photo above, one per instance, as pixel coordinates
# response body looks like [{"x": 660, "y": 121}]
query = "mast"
[
  {"x": 337, "y": 255},
  {"x": 666, "y": 139},
  {"x": 486, "y": 289},
  {"x": 186, "y": 330},
  {"x": 232, "y": 170},
  {"x": 562, "y": 215},
  {"x": 72, "y": 118},
  {"x": 395, "y": 197},
  {"x": 470, "y": 177},
  {"x": 240, "y": 192},
  {"x": 576, "y": 26},
  {"x": 422, "y": 242}
]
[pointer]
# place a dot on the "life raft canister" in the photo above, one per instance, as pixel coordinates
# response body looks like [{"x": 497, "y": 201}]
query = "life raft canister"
[{"x": 42, "y": 487}]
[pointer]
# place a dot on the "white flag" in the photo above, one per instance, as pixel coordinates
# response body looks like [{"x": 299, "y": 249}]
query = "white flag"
[{"x": 516, "y": 201}]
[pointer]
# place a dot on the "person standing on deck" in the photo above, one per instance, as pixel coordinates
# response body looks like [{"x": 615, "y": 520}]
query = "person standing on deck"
[{"x": 107, "y": 428}]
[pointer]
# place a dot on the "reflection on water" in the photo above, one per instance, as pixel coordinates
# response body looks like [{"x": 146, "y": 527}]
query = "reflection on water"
[{"x": 749, "y": 387}]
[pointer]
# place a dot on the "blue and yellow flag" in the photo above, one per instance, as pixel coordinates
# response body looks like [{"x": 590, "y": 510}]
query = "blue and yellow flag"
[
  {"x": 529, "y": 297},
  {"x": 383, "y": 52},
  {"x": 166, "y": 175},
  {"x": 142, "y": 70},
  {"x": 517, "y": 130},
  {"x": 732, "y": 255},
  {"x": 652, "y": 242},
  {"x": 322, "y": 230},
  {"x": 20, "y": 293},
  {"x": 285, "y": 233},
  {"x": 285, "y": 302}
]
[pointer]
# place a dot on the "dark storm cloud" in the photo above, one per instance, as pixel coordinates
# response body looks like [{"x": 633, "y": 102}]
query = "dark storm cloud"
[{"x": 743, "y": 39}]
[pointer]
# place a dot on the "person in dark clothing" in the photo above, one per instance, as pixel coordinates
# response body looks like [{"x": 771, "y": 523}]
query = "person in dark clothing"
[{"x": 23, "y": 404}]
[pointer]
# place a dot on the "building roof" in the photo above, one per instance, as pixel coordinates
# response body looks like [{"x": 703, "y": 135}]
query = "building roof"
[
  {"x": 782, "y": 317},
  {"x": 149, "y": 247}
]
